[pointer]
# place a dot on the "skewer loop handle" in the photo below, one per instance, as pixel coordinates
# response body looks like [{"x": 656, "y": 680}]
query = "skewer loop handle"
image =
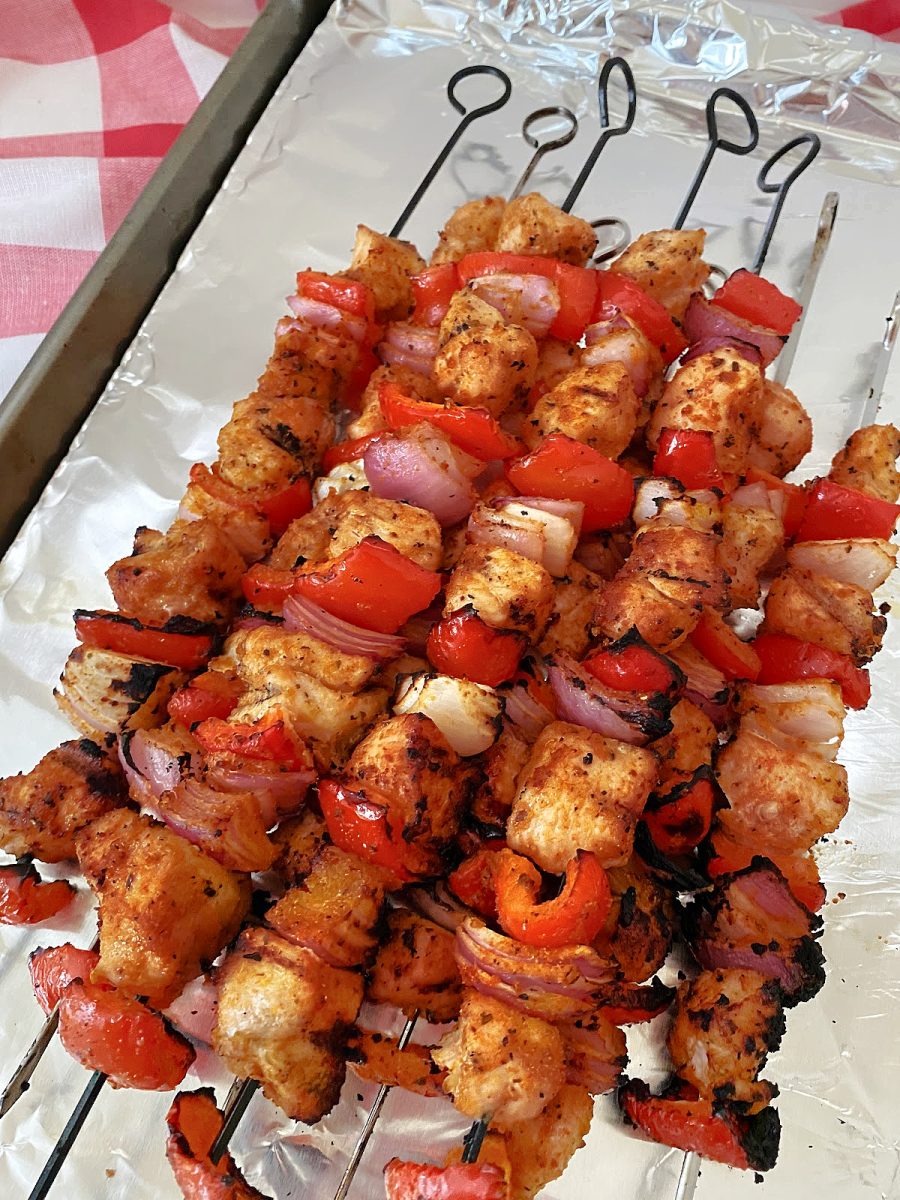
[
  {"x": 780, "y": 190},
  {"x": 716, "y": 142},
  {"x": 611, "y": 64},
  {"x": 541, "y": 148}
]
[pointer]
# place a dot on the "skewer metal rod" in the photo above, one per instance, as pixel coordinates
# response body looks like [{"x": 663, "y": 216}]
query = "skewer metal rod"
[
  {"x": 473, "y": 1140},
  {"x": 237, "y": 1102},
  {"x": 67, "y": 1138},
  {"x": 467, "y": 119},
  {"x": 715, "y": 143},
  {"x": 611, "y": 64},
  {"x": 688, "y": 1176},
  {"x": 827, "y": 218},
  {"x": 780, "y": 190},
  {"x": 882, "y": 364},
  {"x": 542, "y": 148},
  {"x": 371, "y": 1117}
]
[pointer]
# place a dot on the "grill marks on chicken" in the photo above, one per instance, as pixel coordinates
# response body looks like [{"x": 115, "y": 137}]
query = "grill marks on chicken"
[
  {"x": 415, "y": 969},
  {"x": 668, "y": 264},
  {"x": 596, "y": 405},
  {"x": 830, "y": 613}
]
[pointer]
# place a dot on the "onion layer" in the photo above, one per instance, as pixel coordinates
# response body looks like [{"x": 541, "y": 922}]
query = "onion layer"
[
  {"x": 467, "y": 714},
  {"x": 410, "y": 346},
  {"x": 582, "y": 700},
  {"x": 151, "y": 767},
  {"x": 595, "y": 1054},
  {"x": 867, "y": 562},
  {"x": 423, "y": 468},
  {"x": 704, "y": 320},
  {"x": 531, "y": 301},
  {"x": 303, "y": 615},
  {"x": 317, "y": 314},
  {"x": 618, "y": 341},
  {"x": 228, "y": 826}
]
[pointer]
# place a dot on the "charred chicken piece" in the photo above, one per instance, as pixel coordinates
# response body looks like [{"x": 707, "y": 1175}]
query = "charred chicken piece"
[
  {"x": 284, "y": 1018},
  {"x": 270, "y": 440},
  {"x": 498, "y": 780},
  {"x": 299, "y": 841},
  {"x": 415, "y": 969},
  {"x": 751, "y": 537},
  {"x": 826, "y": 611},
  {"x": 257, "y": 652},
  {"x": 41, "y": 812},
  {"x": 193, "y": 570},
  {"x": 482, "y": 361},
  {"x": 166, "y": 909},
  {"x": 580, "y": 791},
  {"x": 686, "y": 747},
  {"x": 641, "y": 925},
  {"x": 378, "y": 1057},
  {"x": 726, "y": 1024},
  {"x": 668, "y": 265},
  {"x": 503, "y": 588},
  {"x": 867, "y": 462},
  {"x": 532, "y": 225},
  {"x": 575, "y": 597},
  {"x": 473, "y": 227},
  {"x": 596, "y": 405},
  {"x": 783, "y": 433}
]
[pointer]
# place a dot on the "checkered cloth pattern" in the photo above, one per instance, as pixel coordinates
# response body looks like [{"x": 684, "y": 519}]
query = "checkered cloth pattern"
[{"x": 92, "y": 94}]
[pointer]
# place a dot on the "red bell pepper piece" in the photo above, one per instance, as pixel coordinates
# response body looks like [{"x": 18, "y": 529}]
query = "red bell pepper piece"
[
  {"x": 631, "y": 665},
  {"x": 794, "y": 498},
  {"x": 107, "y": 1031},
  {"x": 562, "y": 469},
  {"x": 785, "y": 659},
  {"x": 266, "y": 587},
  {"x": 53, "y": 968},
  {"x": 680, "y": 820},
  {"x": 689, "y": 455},
  {"x": 759, "y": 301},
  {"x": 366, "y": 363},
  {"x": 574, "y": 917},
  {"x": 800, "y": 870},
  {"x": 577, "y": 286},
  {"x": 635, "y": 1003},
  {"x": 433, "y": 289},
  {"x": 287, "y": 505},
  {"x": 211, "y": 694},
  {"x": 342, "y": 452},
  {"x": 465, "y": 647},
  {"x": 474, "y": 880},
  {"x": 194, "y": 1124},
  {"x": 359, "y": 824},
  {"x": 459, "y": 1181},
  {"x": 473, "y": 430},
  {"x": 26, "y": 899},
  {"x": 719, "y": 643},
  {"x": 266, "y": 740},
  {"x": 835, "y": 512},
  {"x": 648, "y": 314},
  {"x": 349, "y": 295},
  {"x": 750, "y": 1143},
  {"x": 125, "y": 635}
]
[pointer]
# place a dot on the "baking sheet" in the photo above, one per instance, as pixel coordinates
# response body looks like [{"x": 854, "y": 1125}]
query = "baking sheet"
[{"x": 346, "y": 139}]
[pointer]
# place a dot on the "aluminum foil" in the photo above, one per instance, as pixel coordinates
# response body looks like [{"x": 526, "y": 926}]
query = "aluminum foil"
[{"x": 346, "y": 139}]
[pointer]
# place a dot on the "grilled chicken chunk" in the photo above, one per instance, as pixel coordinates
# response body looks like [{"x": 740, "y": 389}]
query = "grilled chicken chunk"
[
  {"x": 783, "y": 433},
  {"x": 166, "y": 909},
  {"x": 726, "y": 1023},
  {"x": 299, "y": 840},
  {"x": 825, "y": 611},
  {"x": 335, "y": 909},
  {"x": 501, "y": 1062},
  {"x": 596, "y": 405},
  {"x": 498, "y": 779},
  {"x": 284, "y": 1017},
  {"x": 721, "y": 392},
  {"x": 385, "y": 264},
  {"x": 411, "y": 767},
  {"x": 668, "y": 264},
  {"x": 342, "y": 521},
  {"x": 313, "y": 363},
  {"x": 246, "y": 528},
  {"x": 580, "y": 791},
  {"x": 41, "y": 812},
  {"x": 102, "y": 693},
  {"x": 256, "y": 652},
  {"x": 377, "y": 1057},
  {"x": 539, "y": 1149},
  {"x": 193, "y": 570},
  {"x": 471, "y": 228},
  {"x": 574, "y": 598},
  {"x": 687, "y": 746},
  {"x": 751, "y": 537},
  {"x": 641, "y": 924},
  {"x": 867, "y": 462},
  {"x": 270, "y": 440},
  {"x": 555, "y": 360},
  {"x": 482, "y": 361},
  {"x": 780, "y": 800},
  {"x": 505, "y": 589},
  {"x": 532, "y": 225},
  {"x": 415, "y": 968}
]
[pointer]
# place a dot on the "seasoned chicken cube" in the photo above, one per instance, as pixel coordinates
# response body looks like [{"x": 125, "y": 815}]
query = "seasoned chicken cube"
[
  {"x": 483, "y": 362},
  {"x": 256, "y": 652},
  {"x": 668, "y": 265},
  {"x": 575, "y": 596},
  {"x": 780, "y": 800},
  {"x": 532, "y": 225},
  {"x": 595, "y": 405},
  {"x": 379, "y": 1058},
  {"x": 41, "y": 812},
  {"x": 284, "y": 1017},
  {"x": 751, "y": 537},
  {"x": 308, "y": 362},
  {"x": 191, "y": 571},
  {"x": 580, "y": 791},
  {"x": 687, "y": 746},
  {"x": 246, "y": 528},
  {"x": 411, "y": 383},
  {"x": 166, "y": 909},
  {"x": 498, "y": 779},
  {"x": 505, "y": 589},
  {"x": 555, "y": 360},
  {"x": 720, "y": 392},
  {"x": 335, "y": 909},
  {"x": 726, "y": 1023},
  {"x": 500, "y": 1061},
  {"x": 104, "y": 693},
  {"x": 415, "y": 969},
  {"x": 299, "y": 840},
  {"x": 269, "y": 442},
  {"x": 867, "y": 462},
  {"x": 385, "y": 264},
  {"x": 825, "y": 611},
  {"x": 471, "y": 228},
  {"x": 640, "y": 928},
  {"x": 539, "y": 1150},
  {"x": 410, "y": 766},
  {"x": 783, "y": 434},
  {"x": 340, "y": 522}
]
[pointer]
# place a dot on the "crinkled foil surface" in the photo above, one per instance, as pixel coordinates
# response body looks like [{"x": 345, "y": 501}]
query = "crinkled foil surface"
[{"x": 346, "y": 139}]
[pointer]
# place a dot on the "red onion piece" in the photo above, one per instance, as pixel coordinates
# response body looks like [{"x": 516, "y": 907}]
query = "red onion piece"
[
  {"x": 612, "y": 320},
  {"x": 650, "y": 494},
  {"x": 867, "y": 562},
  {"x": 714, "y": 955},
  {"x": 487, "y": 527},
  {"x": 595, "y": 1054},
  {"x": 228, "y": 826},
  {"x": 525, "y": 711},
  {"x": 583, "y": 700},
  {"x": 709, "y": 345},
  {"x": 150, "y": 765},
  {"x": 570, "y": 510},
  {"x": 615, "y": 342},
  {"x": 279, "y": 794},
  {"x": 810, "y": 712},
  {"x": 702, "y": 677},
  {"x": 423, "y": 468},
  {"x": 303, "y": 615},
  {"x": 316, "y": 314},
  {"x": 255, "y": 622},
  {"x": 531, "y": 301},
  {"x": 410, "y": 346},
  {"x": 437, "y": 903},
  {"x": 704, "y": 320},
  {"x": 194, "y": 1011},
  {"x": 416, "y": 630}
]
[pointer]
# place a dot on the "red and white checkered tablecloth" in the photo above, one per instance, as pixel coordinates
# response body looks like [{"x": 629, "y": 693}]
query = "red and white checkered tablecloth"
[{"x": 92, "y": 94}]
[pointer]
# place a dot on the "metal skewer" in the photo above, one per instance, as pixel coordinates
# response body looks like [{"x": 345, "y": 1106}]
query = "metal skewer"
[
  {"x": 780, "y": 190},
  {"x": 608, "y": 131},
  {"x": 542, "y": 148},
  {"x": 827, "y": 218},
  {"x": 718, "y": 143},
  {"x": 467, "y": 118},
  {"x": 473, "y": 1140},
  {"x": 236, "y": 1104},
  {"x": 67, "y": 1138}
]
